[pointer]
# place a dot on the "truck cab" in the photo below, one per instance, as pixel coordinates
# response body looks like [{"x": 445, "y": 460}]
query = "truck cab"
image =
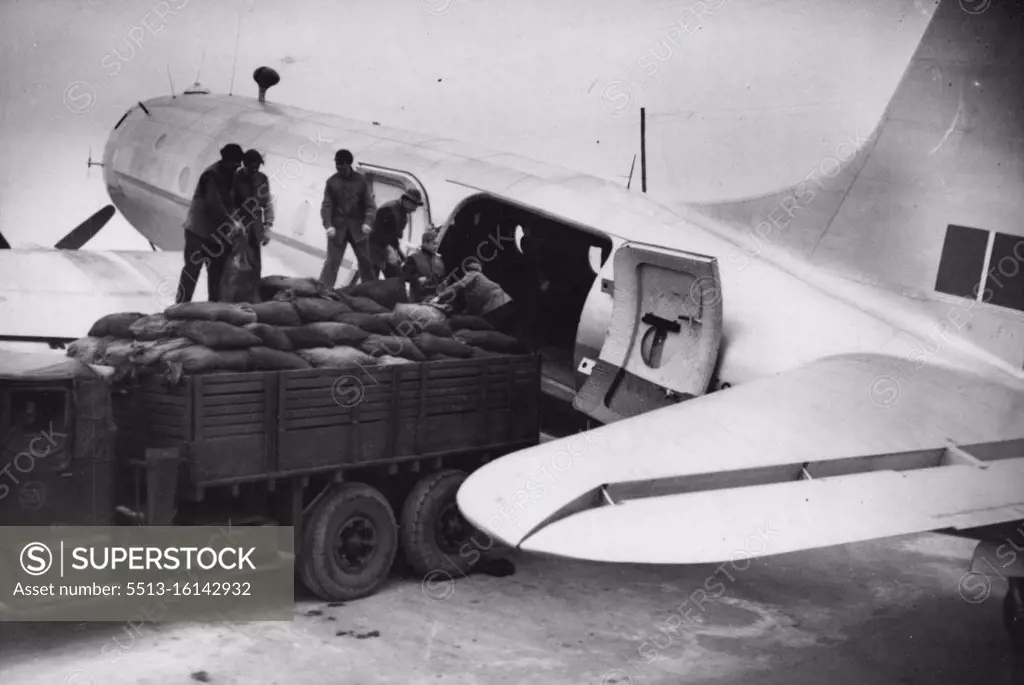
[{"x": 56, "y": 448}]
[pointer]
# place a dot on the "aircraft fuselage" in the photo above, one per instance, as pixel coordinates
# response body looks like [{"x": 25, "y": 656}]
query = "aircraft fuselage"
[{"x": 776, "y": 315}]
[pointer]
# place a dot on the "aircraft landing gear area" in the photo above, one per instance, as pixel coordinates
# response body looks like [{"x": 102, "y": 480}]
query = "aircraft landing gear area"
[{"x": 1013, "y": 614}]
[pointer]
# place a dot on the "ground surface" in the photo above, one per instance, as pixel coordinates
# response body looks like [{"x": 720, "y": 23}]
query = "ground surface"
[
  {"x": 745, "y": 103},
  {"x": 879, "y": 613}
]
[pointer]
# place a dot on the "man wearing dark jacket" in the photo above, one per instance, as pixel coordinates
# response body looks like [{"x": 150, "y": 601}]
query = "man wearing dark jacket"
[
  {"x": 255, "y": 202},
  {"x": 210, "y": 225},
  {"x": 347, "y": 213},
  {"x": 391, "y": 222},
  {"x": 423, "y": 269}
]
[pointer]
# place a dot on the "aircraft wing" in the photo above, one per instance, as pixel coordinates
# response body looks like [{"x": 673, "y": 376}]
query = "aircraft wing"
[
  {"x": 845, "y": 449},
  {"x": 59, "y": 294}
]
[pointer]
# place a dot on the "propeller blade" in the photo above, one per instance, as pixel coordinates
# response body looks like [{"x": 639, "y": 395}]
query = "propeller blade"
[{"x": 86, "y": 230}]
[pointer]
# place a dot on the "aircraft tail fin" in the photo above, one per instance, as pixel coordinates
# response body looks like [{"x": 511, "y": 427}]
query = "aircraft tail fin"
[{"x": 931, "y": 205}]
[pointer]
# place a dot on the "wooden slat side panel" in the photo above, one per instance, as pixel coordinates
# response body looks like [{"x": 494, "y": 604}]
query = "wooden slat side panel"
[
  {"x": 237, "y": 388},
  {"x": 478, "y": 404},
  {"x": 227, "y": 456},
  {"x": 255, "y": 425},
  {"x": 247, "y": 419},
  {"x": 319, "y": 405},
  {"x": 236, "y": 408},
  {"x": 240, "y": 404},
  {"x": 156, "y": 398}
]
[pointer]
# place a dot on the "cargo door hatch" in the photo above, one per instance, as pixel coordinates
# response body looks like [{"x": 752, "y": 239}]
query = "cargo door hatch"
[{"x": 666, "y": 329}]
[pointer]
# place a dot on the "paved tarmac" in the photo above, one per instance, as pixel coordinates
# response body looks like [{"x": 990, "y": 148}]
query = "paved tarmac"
[{"x": 886, "y": 612}]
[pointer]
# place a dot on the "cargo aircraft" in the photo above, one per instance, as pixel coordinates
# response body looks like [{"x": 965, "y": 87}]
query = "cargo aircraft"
[{"x": 838, "y": 361}]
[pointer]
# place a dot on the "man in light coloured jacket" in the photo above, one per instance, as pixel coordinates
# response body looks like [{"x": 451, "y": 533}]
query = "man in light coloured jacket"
[{"x": 483, "y": 297}]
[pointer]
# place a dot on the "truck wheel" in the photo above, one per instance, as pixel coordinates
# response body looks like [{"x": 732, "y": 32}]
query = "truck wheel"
[
  {"x": 353, "y": 538},
  {"x": 1013, "y": 614},
  {"x": 434, "y": 531},
  {"x": 304, "y": 563}
]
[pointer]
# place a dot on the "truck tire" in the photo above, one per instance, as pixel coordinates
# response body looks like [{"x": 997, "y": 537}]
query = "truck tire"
[
  {"x": 304, "y": 563},
  {"x": 434, "y": 532},
  {"x": 1013, "y": 614},
  {"x": 353, "y": 538}
]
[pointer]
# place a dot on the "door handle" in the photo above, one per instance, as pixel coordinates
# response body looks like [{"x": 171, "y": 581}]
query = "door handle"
[{"x": 660, "y": 323}]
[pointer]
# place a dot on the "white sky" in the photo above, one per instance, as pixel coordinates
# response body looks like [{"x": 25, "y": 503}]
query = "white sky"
[{"x": 742, "y": 105}]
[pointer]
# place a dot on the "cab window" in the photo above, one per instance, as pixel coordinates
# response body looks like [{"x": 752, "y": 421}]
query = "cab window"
[
  {"x": 39, "y": 410},
  {"x": 35, "y": 423}
]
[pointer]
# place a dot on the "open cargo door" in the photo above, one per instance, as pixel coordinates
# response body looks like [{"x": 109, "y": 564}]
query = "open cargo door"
[{"x": 666, "y": 329}]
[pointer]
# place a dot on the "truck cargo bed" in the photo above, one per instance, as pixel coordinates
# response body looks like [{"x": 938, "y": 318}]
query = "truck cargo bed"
[{"x": 237, "y": 427}]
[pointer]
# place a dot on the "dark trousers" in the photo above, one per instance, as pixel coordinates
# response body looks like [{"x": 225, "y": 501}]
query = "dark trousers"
[
  {"x": 389, "y": 270},
  {"x": 255, "y": 243},
  {"x": 336, "y": 253},
  {"x": 378, "y": 257},
  {"x": 199, "y": 251}
]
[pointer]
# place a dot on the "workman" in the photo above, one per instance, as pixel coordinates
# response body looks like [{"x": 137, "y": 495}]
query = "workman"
[
  {"x": 385, "y": 250},
  {"x": 347, "y": 212},
  {"x": 424, "y": 269},
  {"x": 483, "y": 297},
  {"x": 210, "y": 225},
  {"x": 256, "y": 206}
]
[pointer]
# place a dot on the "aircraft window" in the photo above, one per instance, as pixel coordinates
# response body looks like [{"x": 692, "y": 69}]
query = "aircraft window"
[
  {"x": 1005, "y": 277},
  {"x": 962, "y": 260},
  {"x": 121, "y": 120},
  {"x": 183, "y": 179},
  {"x": 160, "y": 141}
]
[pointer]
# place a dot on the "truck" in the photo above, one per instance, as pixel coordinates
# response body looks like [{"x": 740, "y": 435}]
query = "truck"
[{"x": 363, "y": 463}]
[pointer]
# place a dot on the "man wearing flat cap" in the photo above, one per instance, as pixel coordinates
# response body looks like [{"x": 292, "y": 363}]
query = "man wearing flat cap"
[
  {"x": 210, "y": 225},
  {"x": 255, "y": 202},
  {"x": 347, "y": 213},
  {"x": 391, "y": 222},
  {"x": 424, "y": 269}
]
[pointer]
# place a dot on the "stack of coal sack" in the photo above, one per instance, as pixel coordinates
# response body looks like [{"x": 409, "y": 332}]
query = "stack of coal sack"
[{"x": 300, "y": 324}]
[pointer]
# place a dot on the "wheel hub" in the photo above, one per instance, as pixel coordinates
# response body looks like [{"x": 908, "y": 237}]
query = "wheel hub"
[
  {"x": 355, "y": 544},
  {"x": 450, "y": 529}
]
